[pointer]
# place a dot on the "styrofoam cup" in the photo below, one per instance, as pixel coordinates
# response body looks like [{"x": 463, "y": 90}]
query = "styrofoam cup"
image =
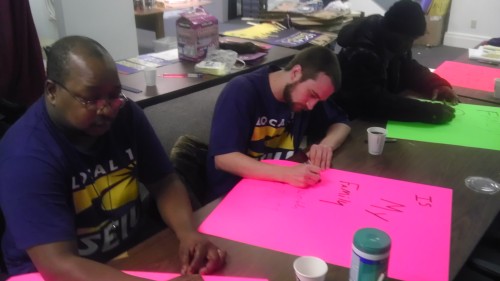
[
  {"x": 308, "y": 268},
  {"x": 150, "y": 76},
  {"x": 376, "y": 140}
]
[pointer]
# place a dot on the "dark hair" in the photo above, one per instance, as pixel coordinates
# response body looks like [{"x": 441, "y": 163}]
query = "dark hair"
[
  {"x": 316, "y": 59},
  {"x": 58, "y": 55},
  {"x": 406, "y": 17}
]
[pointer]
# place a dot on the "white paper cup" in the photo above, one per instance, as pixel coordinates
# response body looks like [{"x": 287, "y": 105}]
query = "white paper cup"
[
  {"x": 308, "y": 268},
  {"x": 376, "y": 140},
  {"x": 150, "y": 76},
  {"x": 496, "y": 93}
]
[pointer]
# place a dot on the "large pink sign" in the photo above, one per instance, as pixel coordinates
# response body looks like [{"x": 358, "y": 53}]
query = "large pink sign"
[
  {"x": 159, "y": 276},
  {"x": 468, "y": 75},
  {"x": 321, "y": 220}
]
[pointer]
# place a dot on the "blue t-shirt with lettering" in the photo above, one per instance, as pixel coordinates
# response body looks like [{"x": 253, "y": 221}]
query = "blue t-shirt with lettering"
[
  {"x": 50, "y": 191},
  {"x": 249, "y": 119}
]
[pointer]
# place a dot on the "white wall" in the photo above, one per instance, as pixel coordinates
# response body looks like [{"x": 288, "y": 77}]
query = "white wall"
[
  {"x": 45, "y": 27},
  {"x": 110, "y": 22},
  {"x": 463, "y": 13}
]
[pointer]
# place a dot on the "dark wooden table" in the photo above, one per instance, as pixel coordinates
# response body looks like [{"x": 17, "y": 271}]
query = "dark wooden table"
[
  {"x": 433, "y": 164},
  {"x": 408, "y": 160},
  {"x": 170, "y": 88}
]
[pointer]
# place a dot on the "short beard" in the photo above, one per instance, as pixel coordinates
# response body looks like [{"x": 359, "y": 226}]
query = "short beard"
[{"x": 287, "y": 94}]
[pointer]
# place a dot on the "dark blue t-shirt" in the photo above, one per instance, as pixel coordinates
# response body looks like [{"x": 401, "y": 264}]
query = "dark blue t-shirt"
[
  {"x": 50, "y": 191},
  {"x": 249, "y": 119}
]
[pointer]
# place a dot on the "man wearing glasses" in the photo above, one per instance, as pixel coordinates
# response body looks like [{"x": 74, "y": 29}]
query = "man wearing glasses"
[{"x": 69, "y": 175}]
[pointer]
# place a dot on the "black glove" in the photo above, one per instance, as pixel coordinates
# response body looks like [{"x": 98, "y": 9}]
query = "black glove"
[{"x": 437, "y": 113}]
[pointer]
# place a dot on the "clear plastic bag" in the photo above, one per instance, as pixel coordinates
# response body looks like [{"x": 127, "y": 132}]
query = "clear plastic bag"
[{"x": 219, "y": 62}]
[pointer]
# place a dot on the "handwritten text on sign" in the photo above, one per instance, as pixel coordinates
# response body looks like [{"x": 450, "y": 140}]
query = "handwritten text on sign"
[{"x": 322, "y": 220}]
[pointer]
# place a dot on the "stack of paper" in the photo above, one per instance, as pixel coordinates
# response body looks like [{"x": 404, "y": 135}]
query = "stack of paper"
[
  {"x": 485, "y": 53},
  {"x": 136, "y": 64}
]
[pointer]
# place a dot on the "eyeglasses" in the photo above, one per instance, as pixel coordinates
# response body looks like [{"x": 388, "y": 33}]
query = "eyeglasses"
[{"x": 96, "y": 104}]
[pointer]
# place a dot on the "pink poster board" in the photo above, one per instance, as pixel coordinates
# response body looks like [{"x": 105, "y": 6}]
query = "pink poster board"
[
  {"x": 322, "y": 220},
  {"x": 159, "y": 276},
  {"x": 468, "y": 75}
]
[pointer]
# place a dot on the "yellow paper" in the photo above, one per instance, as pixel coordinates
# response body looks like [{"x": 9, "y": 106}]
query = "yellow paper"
[
  {"x": 439, "y": 7},
  {"x": 259, "y": 31}
]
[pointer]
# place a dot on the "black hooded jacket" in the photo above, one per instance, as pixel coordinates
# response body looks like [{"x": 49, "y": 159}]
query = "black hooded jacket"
[{"x": 375, "y": 81}]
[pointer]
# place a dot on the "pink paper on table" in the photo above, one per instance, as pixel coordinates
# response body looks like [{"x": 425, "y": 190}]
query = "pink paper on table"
[
  {"x": 468, "y": 75},
  {"x": 321, "y": 220},
  {"x": 159, "y": 276}
]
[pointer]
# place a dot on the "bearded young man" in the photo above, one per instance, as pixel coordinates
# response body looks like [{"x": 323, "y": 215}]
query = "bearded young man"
[{"x": 266, "y": 114}]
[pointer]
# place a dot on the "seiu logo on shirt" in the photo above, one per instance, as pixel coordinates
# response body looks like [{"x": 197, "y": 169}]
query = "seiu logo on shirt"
[
  {"x": 270, "y": 139},
  {"x": 105, "y": 199},
  {"x": 110, "y": 235},
  {"x": 263, "y": 121}
]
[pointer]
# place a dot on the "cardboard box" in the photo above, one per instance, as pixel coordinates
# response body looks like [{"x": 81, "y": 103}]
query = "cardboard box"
[
  {"x": 196, "y": 32},
  {"x": 434, "y": 33}
]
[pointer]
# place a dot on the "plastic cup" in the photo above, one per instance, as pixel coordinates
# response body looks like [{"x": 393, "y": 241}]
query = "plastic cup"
[
  {"x": 308, "y": 268},
  {"x": 150, "y": 76},
  {"x": 376, "y": 140}
]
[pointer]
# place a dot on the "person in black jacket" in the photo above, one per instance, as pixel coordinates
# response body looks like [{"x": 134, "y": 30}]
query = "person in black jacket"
[{"x": 379, "y": 76}]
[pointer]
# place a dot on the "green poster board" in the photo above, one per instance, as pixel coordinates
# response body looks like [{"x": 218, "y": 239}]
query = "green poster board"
[{"x": 473, "y": 126}]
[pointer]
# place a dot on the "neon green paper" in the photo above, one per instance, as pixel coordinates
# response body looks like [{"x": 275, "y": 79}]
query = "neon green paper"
[{"x": 473, "y": 126}]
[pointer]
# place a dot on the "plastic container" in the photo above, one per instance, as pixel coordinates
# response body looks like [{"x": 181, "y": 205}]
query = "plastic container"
[
  {"x": 370, "y": 255},
  {"x": 482, "y": 185}
]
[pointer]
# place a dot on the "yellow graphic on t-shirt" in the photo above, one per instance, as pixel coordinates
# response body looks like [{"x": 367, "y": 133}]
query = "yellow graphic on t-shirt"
[
  {"x": 116, "y": 189},
  {"x": 275, "y": 138}
]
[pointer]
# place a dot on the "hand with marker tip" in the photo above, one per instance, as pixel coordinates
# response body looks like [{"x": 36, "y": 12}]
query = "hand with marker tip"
[
  {"x": 302, "y": 175},
  {"x": 445, "y": 94}
]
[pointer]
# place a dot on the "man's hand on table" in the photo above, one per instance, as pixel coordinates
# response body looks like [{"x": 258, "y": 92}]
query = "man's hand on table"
[
  {"x": 446, "y": 94},
  {"x": 321, "y": 156},
  {"x": 198, "y": 255}
]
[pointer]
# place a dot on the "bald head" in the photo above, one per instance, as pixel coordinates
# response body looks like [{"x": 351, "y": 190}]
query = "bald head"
[{"x": 62, "y": 52}]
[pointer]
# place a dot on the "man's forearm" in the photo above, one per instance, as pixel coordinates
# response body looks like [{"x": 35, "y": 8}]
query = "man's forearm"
[
  {"x": 173, "y": 204},
  {"x": 244, "y": 166},
  {"x": 60, "y": 261},
  {"x": 336, "y": 135}
]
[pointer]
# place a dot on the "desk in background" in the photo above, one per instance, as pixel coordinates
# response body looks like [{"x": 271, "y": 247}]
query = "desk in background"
[
  {"x": 422, "y": 162},
  {"x": 152, "y": 19},
  {"x": 170, "y": 88}
]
